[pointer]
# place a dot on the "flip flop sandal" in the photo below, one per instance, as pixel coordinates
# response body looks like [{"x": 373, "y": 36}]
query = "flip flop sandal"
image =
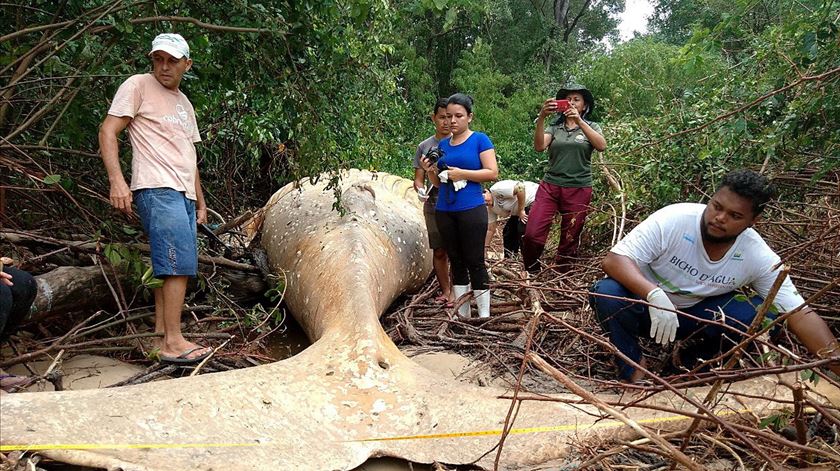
[{"x": 184, "y": 359}]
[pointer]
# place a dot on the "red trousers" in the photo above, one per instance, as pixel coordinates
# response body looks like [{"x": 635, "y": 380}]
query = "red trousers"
[{"x": 573, "y": 204}]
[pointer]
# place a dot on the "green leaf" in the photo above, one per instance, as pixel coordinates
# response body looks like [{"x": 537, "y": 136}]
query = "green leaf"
[
  {"x": 52, "y": 179},
  {"x": 450, "y": 19},
  {"x": 810, "y": 376},
  {"x": 769, "y": 420},
  {"x": 149, "y": 281}
]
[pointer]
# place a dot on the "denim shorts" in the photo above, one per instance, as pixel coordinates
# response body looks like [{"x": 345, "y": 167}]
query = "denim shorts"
[{"x": 168, "y": 218}]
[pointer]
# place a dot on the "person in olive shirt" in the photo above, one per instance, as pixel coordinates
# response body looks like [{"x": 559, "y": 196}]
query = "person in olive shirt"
[{"x": 567, "y": 184}]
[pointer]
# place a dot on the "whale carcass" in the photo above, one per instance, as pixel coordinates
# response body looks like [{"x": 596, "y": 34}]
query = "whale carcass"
[{"x": 350, "y": 396}]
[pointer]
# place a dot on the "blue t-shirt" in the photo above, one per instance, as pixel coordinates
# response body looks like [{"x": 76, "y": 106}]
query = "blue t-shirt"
[{"x": 466, "y": 156}]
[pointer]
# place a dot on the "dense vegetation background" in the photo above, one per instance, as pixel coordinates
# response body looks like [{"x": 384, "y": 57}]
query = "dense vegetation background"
[{"x": 285, "y": 89}]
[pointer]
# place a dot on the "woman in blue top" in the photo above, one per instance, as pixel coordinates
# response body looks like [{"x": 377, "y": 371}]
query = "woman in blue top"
[{"x": 468, "y": 160}]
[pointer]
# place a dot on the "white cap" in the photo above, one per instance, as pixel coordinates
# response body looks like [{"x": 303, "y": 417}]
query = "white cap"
[{"x": 171, "y": 43}]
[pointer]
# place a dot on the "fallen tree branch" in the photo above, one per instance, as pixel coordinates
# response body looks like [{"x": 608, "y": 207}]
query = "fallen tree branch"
[
  {"x": 676, "y": 455},
  {"x": 16, "y": 237}
]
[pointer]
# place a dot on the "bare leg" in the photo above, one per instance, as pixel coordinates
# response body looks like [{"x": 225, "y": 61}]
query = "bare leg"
[
  {"x": 159, "y": 329},
  {"x": 172, "y": 294},
  {"x": 441, "y": 264},
  {"x": 491, "y": 231}
]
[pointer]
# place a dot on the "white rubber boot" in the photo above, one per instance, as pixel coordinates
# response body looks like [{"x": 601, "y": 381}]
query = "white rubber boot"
[
  {"x": 482, "y": 301},
  {"x": 458, "y": 291}
]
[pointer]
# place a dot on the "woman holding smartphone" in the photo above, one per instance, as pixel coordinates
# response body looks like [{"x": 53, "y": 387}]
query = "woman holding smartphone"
[
  {"x": 468, "y": 159},
  {"x": 566, "y": 186}
]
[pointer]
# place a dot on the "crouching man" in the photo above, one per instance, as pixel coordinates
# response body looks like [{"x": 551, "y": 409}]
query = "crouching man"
[{"x": 694, "y": 258}]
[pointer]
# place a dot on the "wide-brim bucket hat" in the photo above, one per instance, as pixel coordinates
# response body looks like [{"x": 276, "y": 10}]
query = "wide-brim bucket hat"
[{"x": 578, "y": 88}]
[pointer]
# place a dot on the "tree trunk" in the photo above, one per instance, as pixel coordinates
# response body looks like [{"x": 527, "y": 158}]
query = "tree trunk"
[
  {"x": 561, "y": 11},
  {"x": 68, "y": 289}
]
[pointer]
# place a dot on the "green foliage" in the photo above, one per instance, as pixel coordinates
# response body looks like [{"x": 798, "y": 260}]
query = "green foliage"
[
  {"x": 129, "y": 261},
  {"x": 326, "y": 85},
  {"x": 149, "y": 281},
  {"x": 650, "y": 90},
  {"x": 776, "y": 421},
  {"x": 809, "y": 375}
]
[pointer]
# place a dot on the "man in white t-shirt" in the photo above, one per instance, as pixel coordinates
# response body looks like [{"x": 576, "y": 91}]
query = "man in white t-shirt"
[
  {"x": 164, "y": 181},
  {"x": 693, "y": 258},
  {"x": 509, "y": 199}
]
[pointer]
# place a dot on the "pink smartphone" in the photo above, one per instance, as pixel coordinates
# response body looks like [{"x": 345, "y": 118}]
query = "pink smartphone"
[{"x": 562, "y": 105}]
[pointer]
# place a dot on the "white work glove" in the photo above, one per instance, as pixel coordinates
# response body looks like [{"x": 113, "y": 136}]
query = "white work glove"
[
  {"x": 459, "y": 184},
  {"x": 444, "y": 176},
  {"x": 663, "y": 324},
  {"x": 422, "y": 194}
]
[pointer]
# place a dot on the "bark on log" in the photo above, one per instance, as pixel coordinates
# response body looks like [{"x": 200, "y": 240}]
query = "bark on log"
[{"x": 68, "y": 289}]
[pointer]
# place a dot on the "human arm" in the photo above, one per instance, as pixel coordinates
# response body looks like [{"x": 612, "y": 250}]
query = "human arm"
[
  {"x": 519, "y": 192},
  {"x": 489, "y": 170},
  {"x": 595, "y": 138},
  {"x": 109, "y": 131},
  {"x": 491, "y": 230},
  {"x": 541, "y": 138},
  {"x": 419, "y": 179},
  {"x": 624, "y": 270},
  {"x": 431, "y": 171},
  {"x": 815, "y": 335},
  {"x": 200, "y": 204}
]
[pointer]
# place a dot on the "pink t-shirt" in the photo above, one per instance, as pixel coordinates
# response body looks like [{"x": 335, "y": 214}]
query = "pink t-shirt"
[{"x": 162, "y": 132}]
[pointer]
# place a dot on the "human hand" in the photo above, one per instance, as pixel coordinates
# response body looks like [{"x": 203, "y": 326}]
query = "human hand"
[
  {"x": 422, "y": 194},
  {"x": 572, "y": 112},
  {"x": 663, "y": 322},
  {"x": 456, "y": 174},
  {"x": 201, "y": 216},
  {"x": 549, "y": 107},
  {"x": 5, "y": 278},
  {"x": 121, "y": 196},
  {"x": 523, "y": 216},
  {"x": 427, "y": 166}
]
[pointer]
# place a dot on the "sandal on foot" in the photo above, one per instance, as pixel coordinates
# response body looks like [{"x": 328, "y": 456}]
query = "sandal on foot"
[{"x": 184, "y": 357}]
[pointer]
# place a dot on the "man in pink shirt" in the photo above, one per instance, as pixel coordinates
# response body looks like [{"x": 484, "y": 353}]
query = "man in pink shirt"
[{"x": 164, "y": 181}]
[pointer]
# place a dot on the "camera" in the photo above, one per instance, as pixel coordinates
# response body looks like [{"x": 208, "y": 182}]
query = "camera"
[
  {"x": 562, "y": 105},
  {"x": 434, "y": 155}
]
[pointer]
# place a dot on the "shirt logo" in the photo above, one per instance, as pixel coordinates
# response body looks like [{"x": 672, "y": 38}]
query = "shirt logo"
[
  {"x": 688, "y": 238},
  {"x": 580, "y": 138},
  {"x": 738, "y": 256},
  {"x": 181, "y": 117}
]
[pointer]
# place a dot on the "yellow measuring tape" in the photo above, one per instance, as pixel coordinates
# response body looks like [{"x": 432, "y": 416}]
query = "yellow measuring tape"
[{"x": 516, "y": 431}]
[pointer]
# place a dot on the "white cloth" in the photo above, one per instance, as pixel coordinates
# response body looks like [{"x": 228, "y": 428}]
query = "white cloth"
[
  {"x": 668, "y": 249},
  {"x": 504, "y": 199},
  {"x": 422, "y": 194},
  {"x": 444, "y": 178}
]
